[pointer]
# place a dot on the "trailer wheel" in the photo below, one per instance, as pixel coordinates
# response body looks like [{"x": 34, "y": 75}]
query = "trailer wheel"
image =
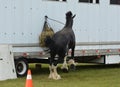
[{"x": 21, "y": 66}]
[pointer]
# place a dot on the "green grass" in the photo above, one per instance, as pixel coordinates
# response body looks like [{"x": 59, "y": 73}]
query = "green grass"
[{"x": 85, "y": 76}]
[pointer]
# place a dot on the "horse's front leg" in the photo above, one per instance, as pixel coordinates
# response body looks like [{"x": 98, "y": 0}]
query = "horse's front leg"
[
  {"x": 56, "y": 75},
  {"x": 53, "y": 73},
  {"x": 53, "y": 70}
]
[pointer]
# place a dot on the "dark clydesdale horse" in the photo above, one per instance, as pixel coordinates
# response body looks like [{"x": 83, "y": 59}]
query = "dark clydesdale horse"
[{"x": 60, "y": 44}]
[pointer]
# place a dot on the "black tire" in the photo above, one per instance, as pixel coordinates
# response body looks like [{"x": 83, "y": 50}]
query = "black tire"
[{"x": 21, "y": 66}]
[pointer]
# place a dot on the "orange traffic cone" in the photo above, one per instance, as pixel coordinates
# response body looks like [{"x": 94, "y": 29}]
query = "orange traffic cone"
[{"x": 29, "y": 79}]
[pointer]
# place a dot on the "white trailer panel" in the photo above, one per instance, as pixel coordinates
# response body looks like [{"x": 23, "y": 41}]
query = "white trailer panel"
[
  {"x": 22, "y": 20},
  {"x": 7, "y": 67},
  {"x": 112, "y": 59}
]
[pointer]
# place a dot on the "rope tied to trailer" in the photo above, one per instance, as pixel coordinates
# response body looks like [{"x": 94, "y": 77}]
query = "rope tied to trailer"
[
  {"x": 46, "y": 31},
  {"x": 55, "y": 20}
]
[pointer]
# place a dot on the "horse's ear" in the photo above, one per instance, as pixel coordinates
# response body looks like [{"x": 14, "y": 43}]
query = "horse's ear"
[{"x": 74, "y": 16}]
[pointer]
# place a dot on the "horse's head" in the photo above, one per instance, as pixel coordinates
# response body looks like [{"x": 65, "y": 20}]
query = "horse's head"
[
  {"x": 70, "y": 15},
  {"x": 69, "y": 18}
]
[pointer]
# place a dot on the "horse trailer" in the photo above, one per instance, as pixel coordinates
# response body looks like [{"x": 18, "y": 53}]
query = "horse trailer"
[{"x": 96, "y": 28}]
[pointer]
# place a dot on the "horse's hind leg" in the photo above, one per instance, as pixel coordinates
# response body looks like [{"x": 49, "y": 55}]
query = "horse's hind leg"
[
  {"x": 64, "y": 66},
  {"x": 71, "y": 62}
]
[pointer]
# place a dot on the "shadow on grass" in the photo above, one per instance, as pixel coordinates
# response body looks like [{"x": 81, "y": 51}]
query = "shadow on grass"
[
  {"x": 44, "y": 70},
  {"x": 97, "y": 66}
]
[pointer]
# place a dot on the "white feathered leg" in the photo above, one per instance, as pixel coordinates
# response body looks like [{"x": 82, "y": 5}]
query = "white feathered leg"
[
  {"x": 72, "y": 64},
  {"x": 71, "y": 61},
  {"x": 64, "y": 66},
  {"x": 56, "y": 75},
  {"x": 53, "y": 73}
]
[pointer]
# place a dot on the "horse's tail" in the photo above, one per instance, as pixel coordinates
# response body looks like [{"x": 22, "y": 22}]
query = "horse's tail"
[{"x": 48, "y": 41}]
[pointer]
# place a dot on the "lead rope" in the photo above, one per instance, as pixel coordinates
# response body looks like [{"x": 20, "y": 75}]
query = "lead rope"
[{"x": 46, "y": 17}]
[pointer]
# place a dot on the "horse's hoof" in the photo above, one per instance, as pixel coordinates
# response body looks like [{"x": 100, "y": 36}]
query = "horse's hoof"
[
  {"x": 65, "y": 70},
  {"x": 58, "y": 77},
  {"x": 72, "y": 67}
]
